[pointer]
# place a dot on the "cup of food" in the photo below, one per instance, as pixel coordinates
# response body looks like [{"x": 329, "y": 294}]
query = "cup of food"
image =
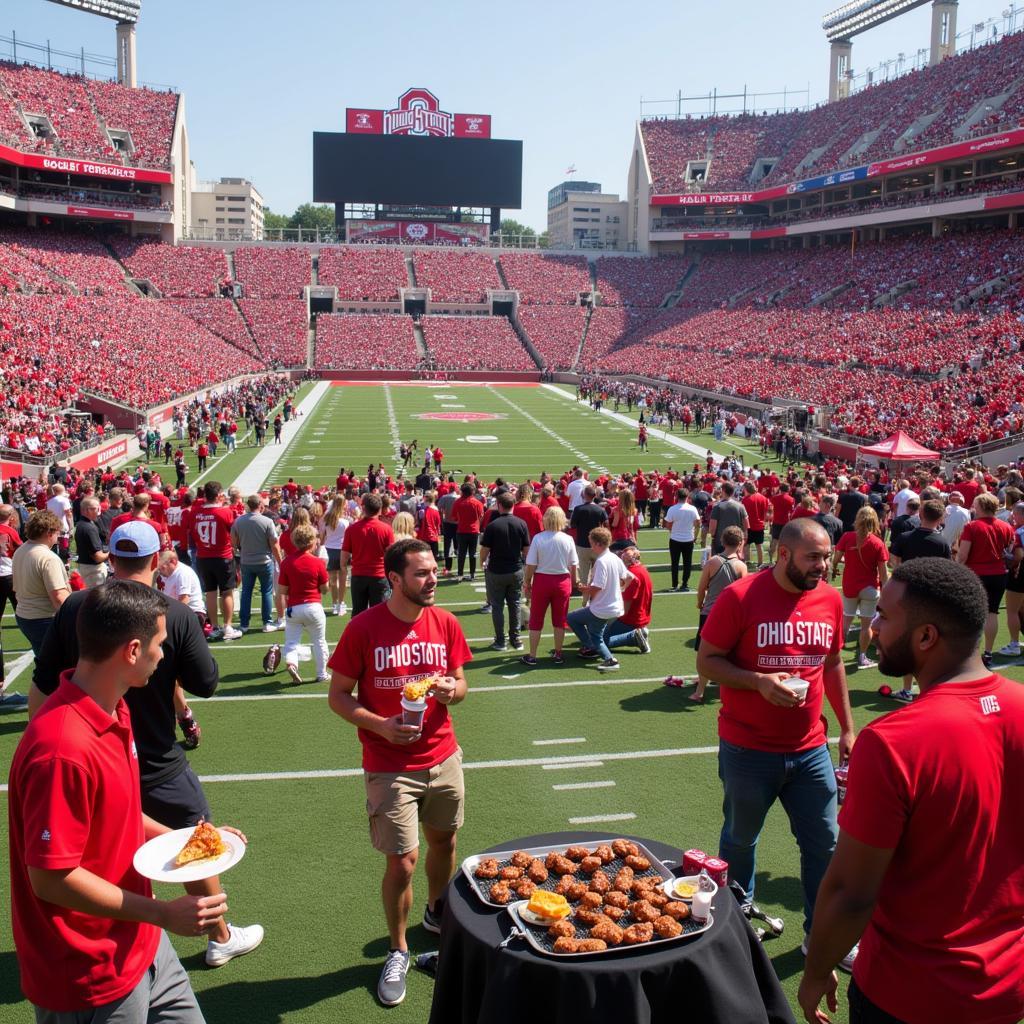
[
  {"x": 798, "y": 686},
  {"x": 414, "y": 701}
]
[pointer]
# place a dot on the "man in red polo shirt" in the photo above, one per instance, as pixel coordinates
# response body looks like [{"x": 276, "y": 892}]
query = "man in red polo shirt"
[
  {"x": 413, "y": 773},
  {"x": 87, "y": 930},
  {"x": 210, "y": 532},
  {"x": 363, "y": 548},
  {"x": 928, "y": 866},
  {"x": 631, "y": 626}
]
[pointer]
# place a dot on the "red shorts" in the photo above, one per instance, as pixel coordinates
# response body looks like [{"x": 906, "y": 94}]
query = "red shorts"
[{"x": 550, "y": 591}]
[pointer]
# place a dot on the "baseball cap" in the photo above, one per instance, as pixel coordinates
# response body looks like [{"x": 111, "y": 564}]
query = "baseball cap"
[
  {"x": 134, "y": 540},
  {"x": 623, "y": 544}
]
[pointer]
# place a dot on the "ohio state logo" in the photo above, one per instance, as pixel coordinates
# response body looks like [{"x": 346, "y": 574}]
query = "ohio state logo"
[
  {"x": 417, "y": 231},
  {"x": 461, "y": 417},
  {"x": 418, "y": 113},
  {"x": 473, "y": 123},
  {"x": 362, "y": 120}
]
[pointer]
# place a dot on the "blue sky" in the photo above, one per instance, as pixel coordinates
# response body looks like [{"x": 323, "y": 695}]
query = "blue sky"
[{"x": 566, "y": 78}]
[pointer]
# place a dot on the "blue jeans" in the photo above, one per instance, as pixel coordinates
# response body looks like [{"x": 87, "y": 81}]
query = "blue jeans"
[
  {"x": 805, "y": 783},
  {"x": 250, "y": 574},
  {"x": 34, "y": 630},
  {"x": 619, "y": 634},
  {"x": 590, "y": 630}
]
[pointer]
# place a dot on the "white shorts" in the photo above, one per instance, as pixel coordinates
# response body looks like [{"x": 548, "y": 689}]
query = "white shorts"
[{"x": 863, "y": 604}]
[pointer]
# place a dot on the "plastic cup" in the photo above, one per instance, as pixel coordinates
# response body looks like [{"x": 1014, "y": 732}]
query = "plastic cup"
[
  {"x": 413, "y": 711},
  {"x": 700, "y": 908},
  {"x": 798, "y": 686}
]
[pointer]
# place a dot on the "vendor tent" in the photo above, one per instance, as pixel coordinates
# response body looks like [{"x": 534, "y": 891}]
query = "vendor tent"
[{"x": 899, "y": 447}]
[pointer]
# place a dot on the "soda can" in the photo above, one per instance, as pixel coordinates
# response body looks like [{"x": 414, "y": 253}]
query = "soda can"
[
  {"x": 842, "y": 776},
  {"x": 718, "y": 870},
  {"x": 693, "y": 861}
]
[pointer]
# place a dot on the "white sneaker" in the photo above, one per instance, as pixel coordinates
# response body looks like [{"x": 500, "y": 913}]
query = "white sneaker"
[
  {"x": 280, "y": 623},
  {"x": 342, "y": 608},
  {"x": 269, "y": 627},
  {"x": 846, "y": 964},
  {"x": 1011, "y": 650},
  {"x": 240, "y": 941},
  {"x": 336, "y": 609},
  {"x": 230, "y": 633}
]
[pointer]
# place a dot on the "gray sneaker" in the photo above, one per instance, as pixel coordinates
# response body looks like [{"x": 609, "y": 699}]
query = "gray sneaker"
[
  {"x": 13, "y": 700},
  {"x": 642, "y": 641},
  {"x": 391, "y": 987}
]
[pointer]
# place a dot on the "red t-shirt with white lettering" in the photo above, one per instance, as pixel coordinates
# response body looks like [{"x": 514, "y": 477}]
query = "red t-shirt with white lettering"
[
  {"x": 303, "y": 574},
  {"x": 767, "y": 629},
  {"x": 210, "y": 529},
  {"x": 383, "y": 653},
  {"x": 366, "y": 540},
  {"x": 938, "y": 782}
]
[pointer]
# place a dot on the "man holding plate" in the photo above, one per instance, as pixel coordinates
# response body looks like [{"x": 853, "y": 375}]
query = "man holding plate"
[{"x": 413, "y": 773}]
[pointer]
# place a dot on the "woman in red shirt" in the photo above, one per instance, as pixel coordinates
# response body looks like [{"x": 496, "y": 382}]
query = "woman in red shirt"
[
  {"x": 303, "y": 579},
  {"x": 624, "y": 521},
  {"x": 983, "y": 544},
  {"x": 429, "y": 526},
  {"x": 865, "y": 572}
]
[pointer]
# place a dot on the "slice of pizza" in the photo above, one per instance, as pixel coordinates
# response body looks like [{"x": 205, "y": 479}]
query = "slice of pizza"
[{"x": 205, "y": 843}]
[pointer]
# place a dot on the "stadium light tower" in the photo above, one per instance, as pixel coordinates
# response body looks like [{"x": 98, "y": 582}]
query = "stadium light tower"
[
  {"x": 126, "y": 14},
  {"x": 857, "y": 16}
]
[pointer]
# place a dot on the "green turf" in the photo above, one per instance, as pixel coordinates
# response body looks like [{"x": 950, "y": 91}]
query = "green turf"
[{"x": 310, "y": 876}]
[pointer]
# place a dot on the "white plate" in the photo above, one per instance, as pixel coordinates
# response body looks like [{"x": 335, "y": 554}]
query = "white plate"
[
  {"x": 531, "y": 918},
  {"x": 155, "y": 859},
  {"x": 670, "y": 890}
]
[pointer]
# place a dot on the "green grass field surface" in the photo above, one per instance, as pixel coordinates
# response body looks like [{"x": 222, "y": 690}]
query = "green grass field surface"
[{"x": 279, "y": 765}]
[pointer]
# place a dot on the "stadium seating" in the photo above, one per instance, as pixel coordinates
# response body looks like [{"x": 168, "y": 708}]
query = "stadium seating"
[
  {"x": 271, "y": 273},
  {"x": 642, "y": 281},
  {"x": 365, "y": 342},
  {"x": 20, "y": 274},
  {"x": 545, "y": 280},
  {"x": 281, "y": 329},
  {"x": 455, "y": 275},
  {"x": 555, "y": 332},
  {"x": 177, "y": 270},
  {"x": 222, "y": 317},
  {"x": 84, "y": 262},
  {"x": 361, "y": 273},
  {"x": 474, "y": 343},
  {"x": 144, "y": 113}
]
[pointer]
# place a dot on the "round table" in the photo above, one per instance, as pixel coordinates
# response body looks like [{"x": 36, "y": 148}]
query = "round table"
[{"x": 723, "y": 976}]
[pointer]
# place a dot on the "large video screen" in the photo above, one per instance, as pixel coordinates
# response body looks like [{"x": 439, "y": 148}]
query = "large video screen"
[{"x": 406, "y": 169}]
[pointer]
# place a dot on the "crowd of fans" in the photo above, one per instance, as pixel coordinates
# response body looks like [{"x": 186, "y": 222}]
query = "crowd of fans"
[
  {"x": 555, "y": 331},
  {"x": 281, "y": 329},
  {"x": 221, "y": 316},
  {"x": 347, "y": 341},
  {"x": 544, "y": 280},
  {"x": 176, "y": 270},
  {"x": 81, "y": 110},
  {"x": 474, "y": 343},
  {"x": 642, "y": 281},
  {"x": 830, "y": 136},
  {"x": 80, "y": 260},
  {"x": 455, "y": 275},
  {"x": 364, "y": 274},
  {"x": 272, "y": 273}
]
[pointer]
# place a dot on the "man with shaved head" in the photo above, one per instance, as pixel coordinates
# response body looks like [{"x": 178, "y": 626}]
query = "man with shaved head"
[{"x": 773, "y": 643}]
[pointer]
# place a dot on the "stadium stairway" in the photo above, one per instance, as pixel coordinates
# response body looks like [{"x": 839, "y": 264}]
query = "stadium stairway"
[
  {"x": 672, "y": 299},
  {"x": 410, "y": 271},
  {"x": 524, "y": 337},
  {"x": 130, "y": 282},
  {"x": 501, "y": 275},
  {"x": 229, "y": 258},
  {"x": 421, "y": 341},
  {"x": 583, "y": 338},
  {"x": 248, "y": 327}
]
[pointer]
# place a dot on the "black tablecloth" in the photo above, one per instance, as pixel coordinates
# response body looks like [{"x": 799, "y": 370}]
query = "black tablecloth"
[{"x": 720, "y": 977}]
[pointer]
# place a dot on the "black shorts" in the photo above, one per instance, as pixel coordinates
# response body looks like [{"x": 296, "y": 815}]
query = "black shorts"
[
  {"x": 177, "y": 803},
  {"x": 700, "y": 629},
  {"x": 777, "y": 530},
  {"x": 755, "y": 536},
  {"x": 334, "y": 559},
  {"x": 216, "y": 574},
  {"x": 1015, "y": 583},
  {"x": 995, "y": 587}
]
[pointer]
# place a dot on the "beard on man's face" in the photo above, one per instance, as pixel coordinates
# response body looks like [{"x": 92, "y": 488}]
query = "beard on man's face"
[
  {"x": 803, "y": 580},
  {"x": 896, "y": 659}
]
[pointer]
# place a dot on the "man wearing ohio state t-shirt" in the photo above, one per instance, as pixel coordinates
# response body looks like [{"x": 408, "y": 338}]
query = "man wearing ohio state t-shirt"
[
  {"x": 929, "y": 865},
  {"x": 413, "y": 773},
  {"x": 210, "y": 531},
  {"x": 773, "y": 643}
]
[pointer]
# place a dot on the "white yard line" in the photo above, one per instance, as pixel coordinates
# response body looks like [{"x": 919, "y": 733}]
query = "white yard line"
[
  {"x": 594, "y": 819},
  {"x": 603, "y": 784},
  {"x": 16, "y": 667},
  {"x": 253, "y": 476},
  {"x": 558, "y": 743},
  {"x": 396, "y": 438},
  {"x": 572, "y": 764}
]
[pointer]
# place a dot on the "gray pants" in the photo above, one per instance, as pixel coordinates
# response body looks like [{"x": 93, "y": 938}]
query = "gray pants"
[
  {"x": 505, "y": 589},
  {"x": 163, "y": 996}
]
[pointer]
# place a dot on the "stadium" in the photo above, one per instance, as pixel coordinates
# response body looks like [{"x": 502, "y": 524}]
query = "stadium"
[{"x": 829, "y": 297}]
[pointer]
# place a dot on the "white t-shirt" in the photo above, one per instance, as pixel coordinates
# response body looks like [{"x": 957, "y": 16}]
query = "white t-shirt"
[
  {"x": 184, "y": 582},
  {"x": 608, "y": 572},
  {"x": 59, "y": 505},
  {"x": 333, "y": 538},
  {"x": 683, "y": 518},
  {"x": 552, "y": 553},
  {"x": 956, "y": 518},
  {"x": 901, "y": 499},
  {"x": 574, "y": 492}
]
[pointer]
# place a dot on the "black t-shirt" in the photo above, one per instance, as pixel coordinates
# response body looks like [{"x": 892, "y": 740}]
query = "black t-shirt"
[
  {"x": 87, "y": 541},
  {"x": 700, "y": 500},
  {"x": 901, "y": 525},
  {"x": 850, "y": 503},
  {"x": 923, "y": 542},
  {"x": 585, "y": 518},
  {"x": 505, "y": 536},
  {"x": 424, "y": 482},
  {"x": 832, "y": 525},
  {"x": 186, "y": 658}
]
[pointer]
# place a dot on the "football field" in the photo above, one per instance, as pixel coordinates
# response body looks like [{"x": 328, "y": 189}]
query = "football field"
[{"x": 548, "y": 748}]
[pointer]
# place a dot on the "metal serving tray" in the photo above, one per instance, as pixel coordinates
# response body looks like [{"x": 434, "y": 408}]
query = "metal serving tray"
[
  {"x": 537, "y": 935},
  {"x": 482, "y": 887}
]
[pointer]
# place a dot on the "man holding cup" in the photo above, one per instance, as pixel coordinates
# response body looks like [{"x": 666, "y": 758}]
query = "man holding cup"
[
  {"x": 413, "y": 773},
  {"x": 773, "y": 641}
]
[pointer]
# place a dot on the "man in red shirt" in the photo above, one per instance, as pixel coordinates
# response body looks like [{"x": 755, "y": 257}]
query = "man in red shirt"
[
  {"x": 363, "y": 548},
  {"x": 210, "y": 531},
  {"x": 773, "y": 643},
  {"x": 758, "y": 507},
  {"x": 631, "y": 626},
  {"x": 87, "y": 930},
  {"x": 933, "y": 795},
  {"x": 413, "y": 773},
  {"x": 526, "y": 510},
  {"x": 467, "y": 513},
  {"x": 782, "y": 511},
  {"x": 140, "y": 511}
]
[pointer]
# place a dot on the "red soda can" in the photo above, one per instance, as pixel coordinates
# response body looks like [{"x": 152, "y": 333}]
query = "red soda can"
[
  {"x": 718, "y": 870},
  {"x": 842, "y": 776},
  {"x": 693, "y": 861}
]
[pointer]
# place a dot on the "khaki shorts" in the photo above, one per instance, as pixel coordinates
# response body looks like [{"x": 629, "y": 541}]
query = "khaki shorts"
[
  {"x": 863, "y": 604},
  {"x": 587, "y": 559},
  {"x": 397, "y": 802}
]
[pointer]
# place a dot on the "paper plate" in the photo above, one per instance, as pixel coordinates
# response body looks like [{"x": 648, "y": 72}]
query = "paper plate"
[{"x": 155, "y": 859}]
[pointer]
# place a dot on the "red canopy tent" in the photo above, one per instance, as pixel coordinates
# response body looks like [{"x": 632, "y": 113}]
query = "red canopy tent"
[{"x": 899, "y": 447}]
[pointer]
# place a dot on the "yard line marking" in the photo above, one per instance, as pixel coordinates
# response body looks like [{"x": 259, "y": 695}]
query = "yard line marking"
[
  {"x": 595, "y": 818},
  {"x": 572, "y": 764},
  {"x": 396, "y": 440},
  {"x": 556, "y": 743},
  {"x": 18, "y": 666},
  {"x": 584, "y": 785}
]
